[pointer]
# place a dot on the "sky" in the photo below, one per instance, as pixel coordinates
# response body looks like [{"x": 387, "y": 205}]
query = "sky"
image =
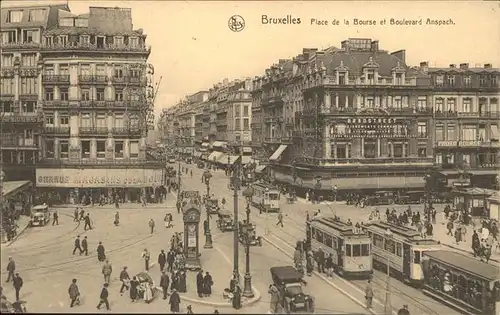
[{"x": 193, "y": 47}]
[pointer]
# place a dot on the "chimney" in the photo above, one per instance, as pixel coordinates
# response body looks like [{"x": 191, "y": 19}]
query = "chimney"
[
  {"x": 424, "y": 66},
  {"x": 344, "y": 44},
  {"x": 453, "y": 66},
  {"x": 225, "y": 81},
  {"x": 464, "y": 66},
  {"x": 374, "y": 45},
  {"x": 401, "y": 54},
  {"x": 488, "y": 66}
]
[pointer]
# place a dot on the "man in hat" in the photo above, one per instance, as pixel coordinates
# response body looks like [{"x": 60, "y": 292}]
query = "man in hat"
[
  {"x": 11, "y": 268},
  {"x": 146, "y": 256},
  {"x": 103, "y": 298},
  {"x": 17, "y": 282},
  {"x": 85, "y": 246},
  {"x": 164, "y": 283},
  {"x": 404, "y": 310},
  {"x": 77, "y": 245},
  {"x": 125, "y": 279},
  {"x": 174, "y": 302},
  {"x": 106, "y": 271},
  {"x": 74, "y": 293}
]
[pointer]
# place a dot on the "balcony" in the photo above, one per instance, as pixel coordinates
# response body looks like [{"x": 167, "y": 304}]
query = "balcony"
[
  {"x": 125, "y": 131},
  {"x": 96, "y": 47},
  {"x": 21, "y": 118},
  {"x": 119, "y": 80},
  {"x": 55, "y": 78},
  {"x": 421, "y": 161},
  {"x": 55, "y": 104},
  {"x": 92, "y": 79},
  {"x": 125, "y": 162},
  {"x": 455, "y": 114},
  {"x": 117, "y": 104},
  {"x": 21, "y": 45},
  {"x": 466, "y": 144},
  {"x": 53, "y": 130},
  {"x": 16, "y": 143},
  {"x": 272, "y": 140},
  {"x": 93, "y": 130}
]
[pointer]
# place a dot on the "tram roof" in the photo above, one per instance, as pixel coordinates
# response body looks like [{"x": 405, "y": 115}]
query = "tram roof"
[
  {"x": 466, "y": 263},
  {"x": 396, "y": 229},
  {"x": 265, "y": 185},
  {"x": 334, "y": 224}
]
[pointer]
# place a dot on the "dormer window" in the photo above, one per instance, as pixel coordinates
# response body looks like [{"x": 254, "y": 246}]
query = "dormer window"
[
  {"x": 134, "y": 42},
  {"x": 370, "y": 77},
  {"x": 493, "y": 80},
  {"x": 119, "y": 40},
  {"x": 399, "y": 79},
  {"x": 85, "y": 39},
  {"x": 36, "y": 15},
  {"x": 467, "y": 80},
  {"x": 15, "y": 16},
  {"x": 451, "y": 80},
  {"x": 63, "y": 40},
  {"x": 30, "y": 36},
  {"x": 48, "y": 40},
  {"x": 439, "y": 80},
  {"x": 100, "y": 41}
]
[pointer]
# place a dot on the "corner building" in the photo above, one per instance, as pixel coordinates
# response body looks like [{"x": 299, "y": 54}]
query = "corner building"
[
  {"x": 362, "y": 120},
  {"x": 97, "y": 100}
]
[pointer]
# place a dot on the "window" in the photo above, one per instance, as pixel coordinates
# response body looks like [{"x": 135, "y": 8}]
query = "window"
[
  {"x": 422, "y": 102},
  {"x": 101, "y": 70},
  {"x": 9, "y": 37},
  {"x": 64, "y": 120},
  {"x": 348, "y": 250},
  {"x": 85, "y": 39},
  {"x": 398, "y": 103},
  {"x": 15, "y": 16},
  {"x": 63, "y": 94},
  {"x": 389, "y": 246},
  {"x": 29, "y": 106},
  {"x": 30, "y": 37},
  {"x": 328, "y": 241},
  {"x": 118, "y": 149},
  {"x": 356, "y": 250},
  {"x": 49, "y": 149},
  {"x": 63, "y": 40},
  {"x": 469, "y": 133},
  {"x": 118, "y": 95},
  {"x": 64, "y": 70},
  {"x": 134, "y": 149},
  {"x": 7, "y": 85},
  {"x": 36, "y": 15},
  {"x": 365, "y": 249},
  {"x": 134, "y": 121},
  {"x": 86, "y": 120},
  {"x": 378, "y": 241},
  {"x": 451, "y": 80},
  {"x": 467, "y": 105},
  {"x": 49, "y": 94},
  {"x": 246, "y": 124},
  {"x": 416, "y": 257},
  {"x": 237, "y": 124},
  {"x": 399, "y": 250},
  {"x": 439, "y": 80},
  {"x": 101, "y": 149},
  {"x": 86, "y": 94},
  {"x": 119, "y": 122},
  {"x": 342, "y": 151},
  {"x": 7, "y": 60},
  {"x": 319, "y": 236},
  {"x": 422, "y": 129},
  {"x": 399, "y": 79},
  {"x": 118, "y": 72},
  {"x": 451, "y": 105},
  {"x": 29, "y": 86},
  {"x": 439, "y": 104},
  {"x": 467, "y": 80},
  {"x": 482, "y": 80},
  {"x": 100, "y": 94},
  {"x": 48, "y": 70},
  {"x": 450, "y": 132},
  {"x": 48, "y": 40},
  {"x": 397, "y": 149},
  {"x": 85, "y": 70},
  {"x": 119, "y": 40},
  {"x": 422, "y": 152},
  {"x": 28, "y": 60},
  {"x": 133, "y": 42},
  {"x": 245, "y": 110},
  {"x": 370, "y": 149},
  {"x": 49, "y": 119},
  {"x": 63, "y": 149},
  {"x": 85, "y": 149},
  {"x": 439, "y": 133},
  {"x": 494, "y": 80},
  {"x": 101, "y": 121}
]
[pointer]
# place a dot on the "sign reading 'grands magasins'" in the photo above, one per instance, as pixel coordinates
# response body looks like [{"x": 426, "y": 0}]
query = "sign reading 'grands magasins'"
[{"x": 98, "y": 178}]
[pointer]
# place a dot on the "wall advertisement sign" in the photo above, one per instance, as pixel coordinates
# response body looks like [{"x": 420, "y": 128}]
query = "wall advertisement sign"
[{"x": 98, "y": 178}]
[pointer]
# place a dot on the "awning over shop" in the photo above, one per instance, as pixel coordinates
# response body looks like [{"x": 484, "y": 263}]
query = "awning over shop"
[
  {"x": 277, "y": 154},
  {"x": 13, "y": 186},
  {"x": 495, "y": 135},
  {"x": 476, "y": 191},
  {"x": 228, "y": 158},
  {"x": 215, "y": 156},
  {"x": 247, "y": 150},
  {"x": 219, "y": 144},
  {"x": 260, "y": 169}
]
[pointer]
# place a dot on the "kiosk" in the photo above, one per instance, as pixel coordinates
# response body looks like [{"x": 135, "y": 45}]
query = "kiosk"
[{"x": 191, "y": 217}]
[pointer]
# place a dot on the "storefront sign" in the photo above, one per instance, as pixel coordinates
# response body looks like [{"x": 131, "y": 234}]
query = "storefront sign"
[
  {"x": 462, "y": 143},
  {"x": 99, "y": 178}
]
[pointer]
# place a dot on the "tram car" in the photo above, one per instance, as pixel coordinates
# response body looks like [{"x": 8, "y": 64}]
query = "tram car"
[
  {"x": 462, "y": 282},
  {"x": 351, "y": 251},
  {"x": 401, "y": 248},
  {"x": 266, "y": 198}
]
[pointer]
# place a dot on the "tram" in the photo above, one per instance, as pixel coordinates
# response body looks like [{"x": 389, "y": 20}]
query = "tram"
[
  {"x": 462, "y": 282},
  {"x": 351, "y": 251},
  {"x": 401, "y": 249},
  {"x": 266, "y": 198}
]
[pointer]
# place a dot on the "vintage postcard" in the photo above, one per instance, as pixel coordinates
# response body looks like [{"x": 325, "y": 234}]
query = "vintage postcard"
[{"x": 207, "y": 157}]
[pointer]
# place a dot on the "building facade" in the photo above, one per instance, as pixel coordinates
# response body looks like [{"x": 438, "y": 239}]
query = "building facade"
[
  {"x": 97, "y": 105},
  {"x": 21, "y": 94},
  {"x": 467, "y": 116}
]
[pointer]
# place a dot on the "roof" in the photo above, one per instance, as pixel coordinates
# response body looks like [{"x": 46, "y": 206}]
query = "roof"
[
  {"x": 73, "y": 30},
  {"x": 395, "y": 229},
  {"x": 466, "y": 263},
  {"x": 13, "y": 186},
  {"x": 355, "y": 60},
  {"x": 494, "y": 197},
  {"x": 285, "y": 273},
  {"x": 334, "y": 224},
  {"x": 477, "y": 191},
  {"x": 39, "y": 207},
  {"x": 470, "y": 70},
  {"x": 225, "y": 213},
  {"x": 49, "y": 19}
]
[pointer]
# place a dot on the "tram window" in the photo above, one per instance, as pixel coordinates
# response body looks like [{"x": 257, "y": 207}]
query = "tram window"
[
  {"x": 274, "y": 197},
  {"x": 356, "y": 250},
  {"x": 335, "y": 243},
  {"x": 416, "y": 259},
  {"x": 313, "y": 233},
  {"x": 348, "y": 250},
  {"x": 398, "y": 249},
  {"x": 365, "y": 250},
  {"x": 378, "y": 241},
  {"x": 319, "y": 236},
  {"x": 328, "y": 241},
  {"x": 389, "y": 246}
]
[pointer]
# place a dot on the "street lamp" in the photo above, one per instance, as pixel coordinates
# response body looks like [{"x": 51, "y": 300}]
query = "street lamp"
[
  {"x": 235, "y": 182},
  {"x": 247, "y": 290},
  {"x": 428, "y": 198},
  {"x": 208, "y": 236},
  {"x": 388, "y": 304}
]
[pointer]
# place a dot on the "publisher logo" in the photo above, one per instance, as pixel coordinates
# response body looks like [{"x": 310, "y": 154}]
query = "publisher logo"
[{"x": 236, "y": 23}]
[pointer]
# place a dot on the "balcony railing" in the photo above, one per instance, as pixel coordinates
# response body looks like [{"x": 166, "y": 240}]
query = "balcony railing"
[
  {"x": 364, "y": 161},
  {"x": 136, "y": 80},
  {"x": 453, "y": 114},
  {"x": 96, "y": 47},
  {"x": 21, "y": 117},
  {"x": 56, "y": 130},
  {"x": 86, "y": 78},
  {"x": 93, "y": 130},
  {"x": 55, "y": 78},
  {"x": 18, "y": 142},
  {"x": 465, "y": 144},
  {"x": 113, "y": 104},
  {"x": 21, "y": 45},
  {"x": 92, "y": 161},
  {"x": 118, "y": 80}
]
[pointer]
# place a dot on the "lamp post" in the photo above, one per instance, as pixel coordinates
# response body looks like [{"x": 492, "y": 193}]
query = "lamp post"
[
  {"x": 428, "y": 198},
  {"x": 247, "y": 290},
  {"x": 235, "y": 181},
  {"x": 388, "y": 304},
  {"x": 208, "y": 236}
]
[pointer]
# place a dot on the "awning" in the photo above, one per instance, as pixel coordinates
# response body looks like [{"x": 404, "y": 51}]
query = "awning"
[
  {"x": 232, "y": 159},
  {"x": 260, "y": 168},
  {"x": 215, "y": 156},
  {"x": 483, "y": 172},
  {"x": 13, "y": 186},
  {"x": 277, "y": 154},
  {"x": 205, "y": 145},
  {"x": 247, "y": 150},
  {"x": 219, "y": 144},
  {"x": 495, "y": 135}
]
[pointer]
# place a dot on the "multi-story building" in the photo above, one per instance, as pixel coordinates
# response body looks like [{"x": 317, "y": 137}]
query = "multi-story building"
[
  {"x": 97, "y": 103},
  {"x": 467, "y": 115},
  {"x": 21, "y": 85},
  {"x": 361, "y": 118}
]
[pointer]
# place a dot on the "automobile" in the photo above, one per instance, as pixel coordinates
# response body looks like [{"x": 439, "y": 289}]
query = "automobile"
[
  {"x": 225, "y": 221},
  {"x": 212, "y": 205},
  {"x": 289, "y": 281},
  {"x": 411, "y": 197},
  {"x": 40, "y": 215},
  {"x": 247, "y": 232},
  {"x": 381, "y": 197}
]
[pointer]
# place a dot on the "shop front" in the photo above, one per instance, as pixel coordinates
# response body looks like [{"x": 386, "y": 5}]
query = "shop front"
[{"x": 80, "y": 185}]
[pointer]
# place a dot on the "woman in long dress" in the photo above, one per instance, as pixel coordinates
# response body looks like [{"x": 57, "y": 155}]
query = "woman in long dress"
[
  {"x": 148, "y": 293},
  {"x": 133, "y": 288}
]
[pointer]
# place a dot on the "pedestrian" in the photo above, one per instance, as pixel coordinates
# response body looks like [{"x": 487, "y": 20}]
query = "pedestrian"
[
  {"x": 103, "y": 298},
  {"x": 85, "y": 246},
  {"x": 207, "y": 284},
  {"x": 146, "y": 256},
  {"x": 320, "y": 258},
  {"x": 170, "y": 260},
  {"x": 162, "y": 259},
  {"x": 164, "y": 283},
  {"x": 174, "y": 302},
  {"x": 11, "y": 268},
  {"x": 125, "y": 279},
  {"x": 189, "y": 308},
  {"x": 55, "y": 218},
  {"x": 151, "y": 225},
  {"x": 280, "y": 219},
  {"x": 17, "y": 282},
  {"x": 369, "y": 294},
  {"x": 75, "y": 215},
  {"x": 101, "y": 255},
  {"x": 82, "y": 214},
  {"x": 216, "y": 311},
  {"x": 74, "y": 293},
  {"x": 77, "y": 245},
  {"x": 182, "y": 282},
  {"x": 273, "y": 290},
  {"x": 199, "y": 283},
  {"x": 134, "y": 283},
  {"x": 329, "y": 265},
  {"x": 87, "y": 222},
  {"x": 106, "y": 271},
  {"x": 404, "y": 310},
  {"x": 117, "y": 218}
]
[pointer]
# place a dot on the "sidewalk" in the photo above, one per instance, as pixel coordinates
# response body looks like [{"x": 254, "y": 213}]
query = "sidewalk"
[
  {"x": 22, "y": 225},
  {"x": 122, "y": 206}
]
